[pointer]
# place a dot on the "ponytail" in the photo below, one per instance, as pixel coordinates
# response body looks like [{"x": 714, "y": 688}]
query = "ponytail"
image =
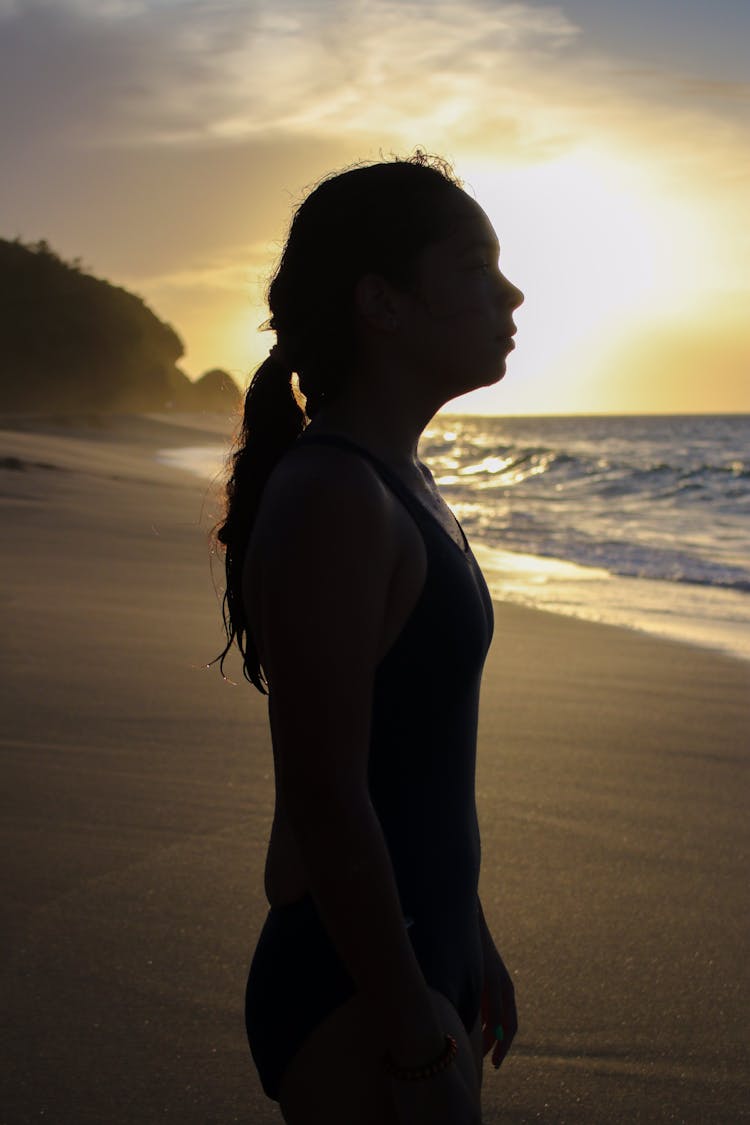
[{"x": 272, "y": 421}]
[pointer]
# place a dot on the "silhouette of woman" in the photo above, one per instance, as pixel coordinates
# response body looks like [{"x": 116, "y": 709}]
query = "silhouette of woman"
[{"x": 375, "y": 988}]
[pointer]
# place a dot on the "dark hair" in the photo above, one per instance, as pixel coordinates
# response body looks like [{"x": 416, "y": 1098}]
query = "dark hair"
[{"x": 369, "y": 218}]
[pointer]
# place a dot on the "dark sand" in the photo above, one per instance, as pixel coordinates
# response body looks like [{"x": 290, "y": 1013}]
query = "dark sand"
[{"x": 137, "y": 799}]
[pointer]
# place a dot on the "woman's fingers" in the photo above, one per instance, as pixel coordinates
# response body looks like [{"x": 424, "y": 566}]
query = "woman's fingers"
[
  {"x": 506, "y": 1028},
  {"x": 499, "y": 1018}
]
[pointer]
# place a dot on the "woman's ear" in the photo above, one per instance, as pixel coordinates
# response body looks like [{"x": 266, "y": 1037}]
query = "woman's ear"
[{"x": 376, "y": 302}]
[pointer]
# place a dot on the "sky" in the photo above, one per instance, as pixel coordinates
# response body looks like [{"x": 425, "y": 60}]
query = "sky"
[{"x": 167, "y": 142}]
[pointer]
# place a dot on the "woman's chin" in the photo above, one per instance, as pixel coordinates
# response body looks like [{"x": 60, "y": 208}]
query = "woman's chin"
[
  {"x": 487, "y": 378},
  {"x": 497, "y": 375}
]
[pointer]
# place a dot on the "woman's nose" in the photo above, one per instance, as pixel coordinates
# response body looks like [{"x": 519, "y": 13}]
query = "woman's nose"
[
  {"x": 511, "y": 294},
  {"x": 516, "y": 296}
]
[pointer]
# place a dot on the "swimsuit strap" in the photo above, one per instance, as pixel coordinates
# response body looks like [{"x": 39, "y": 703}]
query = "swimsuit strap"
[{"x": 417, "y": 509}]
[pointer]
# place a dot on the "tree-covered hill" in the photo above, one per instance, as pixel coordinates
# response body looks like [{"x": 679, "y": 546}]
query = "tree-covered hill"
[{"x": 70, "y": 341}]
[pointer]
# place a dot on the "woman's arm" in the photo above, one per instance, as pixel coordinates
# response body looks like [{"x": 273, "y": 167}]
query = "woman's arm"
[
  {"x": 488, "y": 945},
  {"x": 499, "y": 1016},
  {"x": 324, "y": 583}
]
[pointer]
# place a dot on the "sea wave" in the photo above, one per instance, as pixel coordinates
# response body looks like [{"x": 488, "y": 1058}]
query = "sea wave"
[{"x": 642, "y": 498}]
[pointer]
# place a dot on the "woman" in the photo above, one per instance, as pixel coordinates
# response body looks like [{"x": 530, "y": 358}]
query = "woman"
[{"x": 375, "y": 988}]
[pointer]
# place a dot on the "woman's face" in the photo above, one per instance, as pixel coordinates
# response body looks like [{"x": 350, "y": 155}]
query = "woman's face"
[{"x": 459, "y": 319}]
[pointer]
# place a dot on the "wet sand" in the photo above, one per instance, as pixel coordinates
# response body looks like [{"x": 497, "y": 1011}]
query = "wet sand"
[{"x": 138, "y": 792}]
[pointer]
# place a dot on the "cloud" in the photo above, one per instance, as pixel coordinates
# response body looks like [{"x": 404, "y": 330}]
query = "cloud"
[
  {"x": 461, "y": 76},
  {"x": 132, "y": 73},
  {"x": 715, "y": 88}
]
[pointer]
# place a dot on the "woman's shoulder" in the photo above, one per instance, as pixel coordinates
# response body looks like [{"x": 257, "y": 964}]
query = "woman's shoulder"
[
  {"x": 321, "y": 473},
  {"x": 323, "y": 549},
  {"x": 317, "y": 490}
]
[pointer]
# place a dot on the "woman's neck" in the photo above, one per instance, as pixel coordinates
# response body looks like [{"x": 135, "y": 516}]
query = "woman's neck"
[{"x": 388, "y": 430}]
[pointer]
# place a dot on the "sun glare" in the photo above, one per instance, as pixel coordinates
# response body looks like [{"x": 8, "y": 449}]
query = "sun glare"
[{"x": 592, "y": 244}]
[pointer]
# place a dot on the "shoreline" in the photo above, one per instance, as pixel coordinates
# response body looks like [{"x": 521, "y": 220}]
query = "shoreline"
[{"x": 612, "y": 789}]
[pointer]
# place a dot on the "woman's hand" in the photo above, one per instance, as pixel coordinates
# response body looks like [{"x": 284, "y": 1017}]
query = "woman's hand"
[{"x": 498, "y": 1004}]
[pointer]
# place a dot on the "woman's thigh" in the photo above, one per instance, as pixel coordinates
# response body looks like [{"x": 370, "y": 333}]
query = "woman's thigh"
[{"x": 336, "y": 1078}]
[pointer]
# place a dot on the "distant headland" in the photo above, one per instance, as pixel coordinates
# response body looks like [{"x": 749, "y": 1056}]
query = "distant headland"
[{"x": 70, "y": 341}]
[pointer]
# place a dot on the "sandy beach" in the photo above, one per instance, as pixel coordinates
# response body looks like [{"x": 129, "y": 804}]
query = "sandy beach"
[{"x": 138, "y": 794}]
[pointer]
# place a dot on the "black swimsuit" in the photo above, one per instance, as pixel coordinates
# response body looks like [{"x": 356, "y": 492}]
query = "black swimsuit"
[{"x": 421, "y": 780}]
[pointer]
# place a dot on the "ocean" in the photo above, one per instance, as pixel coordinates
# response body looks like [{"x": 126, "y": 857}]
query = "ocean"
[{"x": 641, "y": 521}]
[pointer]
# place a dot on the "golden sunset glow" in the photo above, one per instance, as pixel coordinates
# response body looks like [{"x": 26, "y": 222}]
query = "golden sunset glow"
[{"x": 617, "y": 176}]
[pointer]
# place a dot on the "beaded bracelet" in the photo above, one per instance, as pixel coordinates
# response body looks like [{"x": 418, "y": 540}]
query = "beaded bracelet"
[{"x": 413, "y": 1073}]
